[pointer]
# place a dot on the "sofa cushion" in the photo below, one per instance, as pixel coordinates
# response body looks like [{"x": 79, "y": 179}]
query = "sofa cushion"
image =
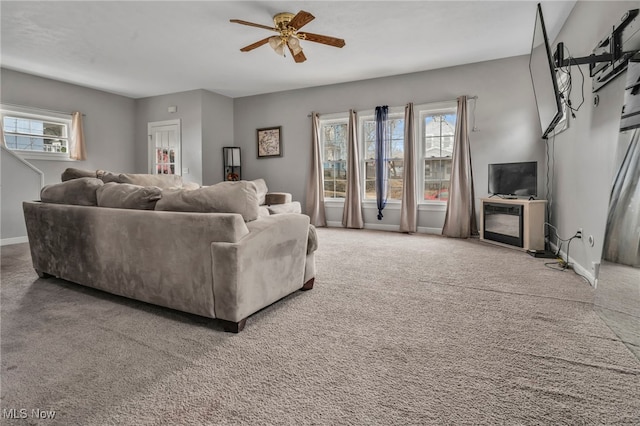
[
  {"x": 73, "y": 173},
  {"x": 292, "y": 207},
  {"x": 161, "y": 181},
  {"x": 107, "y": 176},
  {"x": 224, "y": 197},
  {"x": 80, "y": 191},
  {"x": 128, "y": 196},
  {"x": 190, "y": 185},
  {"x": 261, "y": 187},
  {"x": 263, "y": 211}
]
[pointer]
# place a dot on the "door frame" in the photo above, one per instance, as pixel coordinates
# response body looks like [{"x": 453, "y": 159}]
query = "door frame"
[{"x": 151, "y": 152}]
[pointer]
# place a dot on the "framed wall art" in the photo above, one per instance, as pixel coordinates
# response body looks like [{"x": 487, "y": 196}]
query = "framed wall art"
[{"x": 270, "y": 142}]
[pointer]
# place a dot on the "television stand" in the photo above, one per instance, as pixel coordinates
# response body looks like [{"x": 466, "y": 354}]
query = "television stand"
[{"x": 515, "y": 223}]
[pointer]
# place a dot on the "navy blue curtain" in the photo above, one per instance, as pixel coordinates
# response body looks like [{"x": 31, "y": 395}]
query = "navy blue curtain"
[{"x": 382, "y": 155}]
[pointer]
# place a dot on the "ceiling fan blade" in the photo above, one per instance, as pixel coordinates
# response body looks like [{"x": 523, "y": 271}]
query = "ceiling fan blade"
[
  {"x": 301, "y": 19},
  {"x": 251, "y": 24},
  {"x": 299, "y": 57},
  {"x": 319, "y": 38},
  {"x": 254, "y": 45}
]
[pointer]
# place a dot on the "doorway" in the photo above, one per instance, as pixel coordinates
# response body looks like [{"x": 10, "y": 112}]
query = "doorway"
[{"x": 164, "y": 147}]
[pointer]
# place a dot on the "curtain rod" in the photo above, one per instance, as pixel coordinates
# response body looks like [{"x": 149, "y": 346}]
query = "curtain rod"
[
  {"x": 469, "y": 98},
  {"x": 37, "y": 109}
]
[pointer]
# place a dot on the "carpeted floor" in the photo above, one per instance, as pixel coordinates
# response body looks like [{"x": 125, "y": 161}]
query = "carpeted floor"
[{"x": 398, "y": 330}]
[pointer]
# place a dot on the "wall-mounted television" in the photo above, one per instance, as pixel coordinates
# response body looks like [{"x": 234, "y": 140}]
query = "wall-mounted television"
[
  {"x": 543, "y": 77},
  {"x": 514, "y": 179}
]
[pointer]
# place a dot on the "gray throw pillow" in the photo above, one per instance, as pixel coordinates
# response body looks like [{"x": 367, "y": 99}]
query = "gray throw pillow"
[
  {"x": 161, "y": 181},
  {"x": 127, "y": 196},
  {"x": 262, "y": 189},
  {"x": 224, "y": 197},
  {"x": 81, "y": 192},
  {"x": 73, "y": 173},
  {"x": 107, "y": 176}
]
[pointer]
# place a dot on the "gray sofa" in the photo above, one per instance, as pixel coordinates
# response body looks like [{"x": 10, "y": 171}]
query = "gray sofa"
[{"x": 206, "y": 250}]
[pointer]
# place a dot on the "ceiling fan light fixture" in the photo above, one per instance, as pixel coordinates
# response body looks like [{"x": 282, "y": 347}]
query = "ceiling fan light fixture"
[
  {"x": 288, "y": 26},
  {"x": 280, "y": 49},
  {"x": 274, "y": 42},
  {"x": 294, "y": 42}
]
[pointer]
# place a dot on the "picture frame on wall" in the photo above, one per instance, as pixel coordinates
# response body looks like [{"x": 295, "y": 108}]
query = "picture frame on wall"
[{"x": 270, "y": 142}]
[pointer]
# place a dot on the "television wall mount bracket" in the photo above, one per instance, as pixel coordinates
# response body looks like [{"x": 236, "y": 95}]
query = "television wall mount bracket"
[{"x": 612, "y": 53}]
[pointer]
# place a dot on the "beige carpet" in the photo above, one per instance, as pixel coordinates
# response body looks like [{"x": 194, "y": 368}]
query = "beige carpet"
[{"x": 399, "y": 330}]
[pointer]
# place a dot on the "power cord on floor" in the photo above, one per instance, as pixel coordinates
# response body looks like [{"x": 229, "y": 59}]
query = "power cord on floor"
[{"x": 561, "y": 264}]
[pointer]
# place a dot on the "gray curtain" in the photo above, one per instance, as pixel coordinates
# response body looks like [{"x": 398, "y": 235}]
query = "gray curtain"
[
  {"x": 409, "y": 206},
  {"x": 460, "y": 219},
  {"x": 622, "y": 242},
  {"x": 315, "y": 186},
  {"x": 352, "y": 213}
]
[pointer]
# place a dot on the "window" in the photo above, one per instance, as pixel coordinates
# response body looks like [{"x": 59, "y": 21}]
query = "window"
[
  {"x": 334, "y": 138},
  {"x": 437, "y": 130},
  {"x": 395, "y": 163},
  {"x": 36, "y": 136}
]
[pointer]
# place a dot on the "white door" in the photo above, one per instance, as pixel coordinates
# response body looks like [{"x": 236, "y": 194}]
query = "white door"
[{"x": 164, "y": 147}]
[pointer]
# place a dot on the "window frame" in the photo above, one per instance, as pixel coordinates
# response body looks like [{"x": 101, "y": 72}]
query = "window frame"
[
  {"x": 423, "y": 111},
  {"x": 328, "y": 119},
  {"x": 394, "y": 113},
  {"x": 34, "y": 114}
]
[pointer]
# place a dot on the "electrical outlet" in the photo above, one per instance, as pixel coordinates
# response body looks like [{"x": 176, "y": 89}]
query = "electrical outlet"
[{"x": 579, "y": 233}]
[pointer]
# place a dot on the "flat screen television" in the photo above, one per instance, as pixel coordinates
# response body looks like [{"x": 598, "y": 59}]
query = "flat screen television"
[
  {"x": 514, "y": 179},
  {"x": 543, "y": 77}
]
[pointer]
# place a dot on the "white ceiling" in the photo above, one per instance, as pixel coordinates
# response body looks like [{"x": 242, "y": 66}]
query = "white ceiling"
[{"x": 149, "y": 48}]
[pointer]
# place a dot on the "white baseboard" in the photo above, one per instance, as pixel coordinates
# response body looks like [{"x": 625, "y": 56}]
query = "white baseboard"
[
  {"x": 581, "y": 270},
  {"x": 391, "y": 228},
  {"x": 427, "y": 230},
  {"x": 15, "y": 240}
]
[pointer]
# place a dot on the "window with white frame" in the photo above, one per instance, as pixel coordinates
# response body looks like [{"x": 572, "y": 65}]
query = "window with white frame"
[
  {"x": 36, "y": 136},
  {"x": 395, "y": 162},
  {"x": 437, "y": 133},
  {"x": 334, "y": 139}
]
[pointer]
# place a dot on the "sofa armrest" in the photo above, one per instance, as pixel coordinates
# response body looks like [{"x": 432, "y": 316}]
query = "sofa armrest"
[
  {"x": 261, "y": 268},
  {"x": 277, "y": 198}
]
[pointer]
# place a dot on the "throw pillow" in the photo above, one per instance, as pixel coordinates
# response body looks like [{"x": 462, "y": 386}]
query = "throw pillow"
[
  {"x": 161, "y": 181},
  {"x": 107, "y": 176},
  {"x": 127, "y": 196},
  {"x": 224, "y": 197},
  {"x": 80, "y": 191},
  {"x": 73, "y": 173},
  {"x": 262, "y": 189}
]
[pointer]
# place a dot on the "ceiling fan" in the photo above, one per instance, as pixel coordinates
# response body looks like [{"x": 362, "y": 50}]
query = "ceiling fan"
[{"x": 287, "y": 25}]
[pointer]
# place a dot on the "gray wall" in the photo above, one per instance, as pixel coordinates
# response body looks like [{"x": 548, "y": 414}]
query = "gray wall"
[
  {"x": 108, "y": 126},
  {"x": 189, "y": 112},
  {"x": 206, "y": 125},
  {"x": 108, "y": 120},
  {"x": 586, "y": 153},
  {"x": 505, "y": 116},
  {"x": 217, "y": 132},
  {"x": 13, "y": 169}
]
